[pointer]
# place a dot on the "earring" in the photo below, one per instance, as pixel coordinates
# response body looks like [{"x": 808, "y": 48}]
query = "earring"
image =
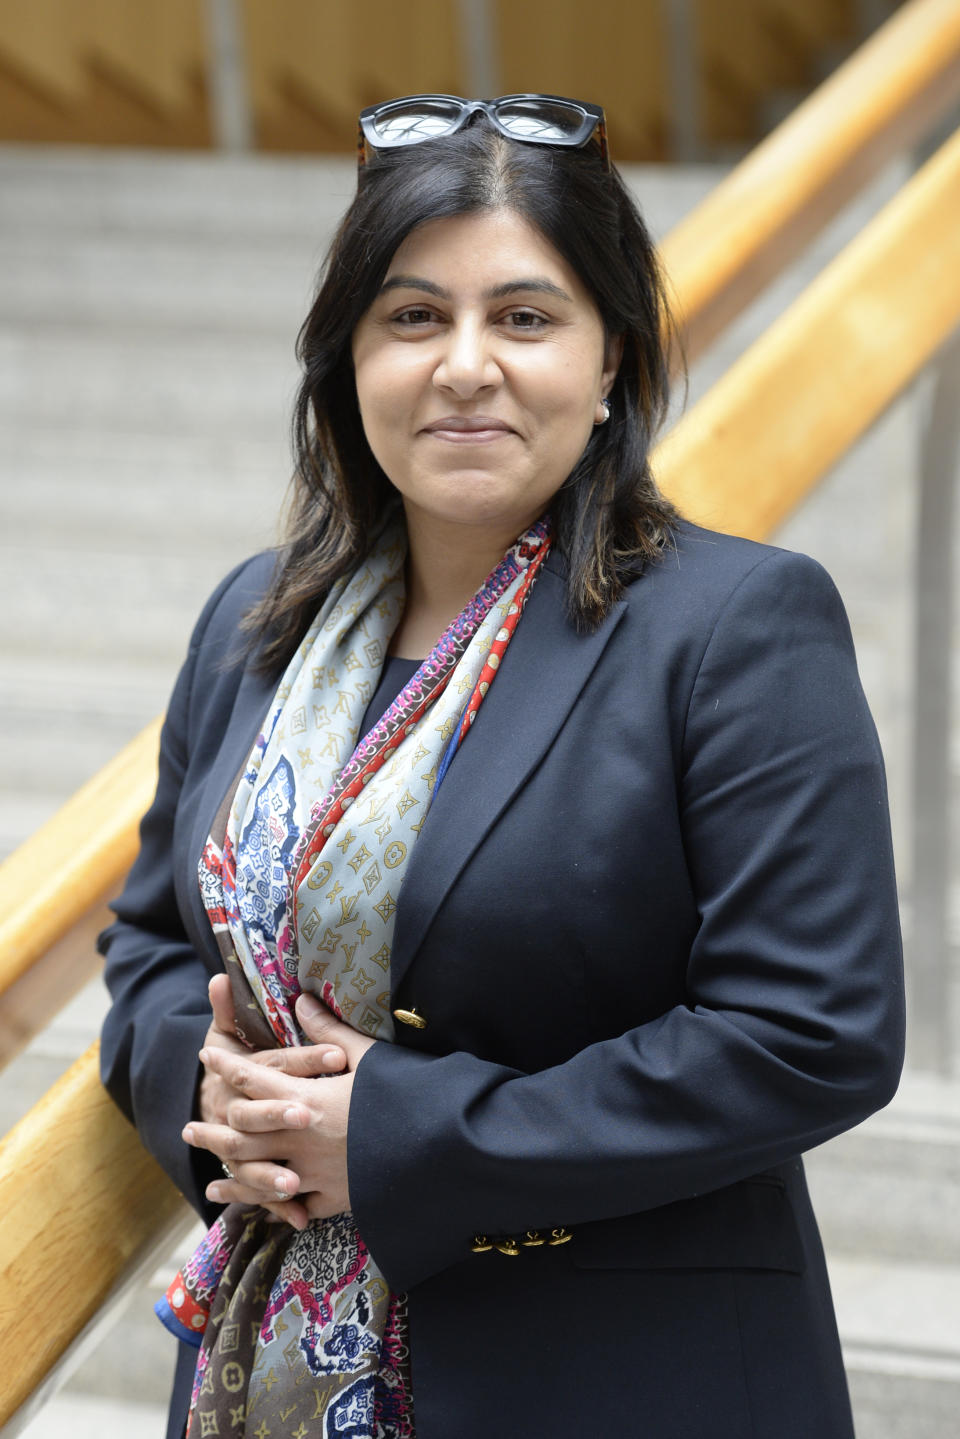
[{"x": 606, "y": 412}]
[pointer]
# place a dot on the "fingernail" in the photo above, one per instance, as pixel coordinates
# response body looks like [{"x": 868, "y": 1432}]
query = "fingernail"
[
  {"x": 213, "y": 1193},
  {"x": 292, "y": 1117},
  {"x": 332, "y": 1059},
  {"x": 281, "y": 1190},
  {"x": 188, "y": 1134},
  {"x": 203, "y": 1056},
  {"x": 308, "y": 1007}
]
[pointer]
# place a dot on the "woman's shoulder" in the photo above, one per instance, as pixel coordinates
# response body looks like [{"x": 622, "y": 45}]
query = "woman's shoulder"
[
  {"x": 702, "y": 571},
  {"x": 709, "y": 590},
  {"x": 710, "y": 555},
  {"x": 239, "y": 590}
]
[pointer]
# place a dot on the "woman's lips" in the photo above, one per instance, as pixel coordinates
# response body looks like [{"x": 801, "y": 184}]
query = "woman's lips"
[{"x": 479, "y": 429}]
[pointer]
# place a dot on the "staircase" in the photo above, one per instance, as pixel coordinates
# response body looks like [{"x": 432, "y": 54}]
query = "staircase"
[{"x": 148, "y": 307}]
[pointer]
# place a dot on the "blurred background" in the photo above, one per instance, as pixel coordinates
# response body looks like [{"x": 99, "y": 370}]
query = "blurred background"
[
  {"x": 680, "y": 80},
  {"x": 170, "y": 174}
]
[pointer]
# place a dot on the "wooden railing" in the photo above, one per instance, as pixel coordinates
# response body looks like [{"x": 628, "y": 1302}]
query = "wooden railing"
[
  {"x": 85, "y": 1212},
  {"x": 776, "y": 422},
  {"x": 738, "y": 460},
  {"x": 751, "y": 225},
  {"x": 54, "y": 891}
]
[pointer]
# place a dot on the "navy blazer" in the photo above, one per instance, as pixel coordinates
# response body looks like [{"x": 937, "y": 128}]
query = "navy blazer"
[{"x": 652, "y": 926}]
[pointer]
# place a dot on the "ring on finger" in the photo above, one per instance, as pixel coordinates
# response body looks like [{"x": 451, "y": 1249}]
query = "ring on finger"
[{"x": 227, "y": 1170}]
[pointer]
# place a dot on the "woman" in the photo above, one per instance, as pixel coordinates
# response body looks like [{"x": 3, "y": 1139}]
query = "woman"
[{"x": 572, "y": 811}]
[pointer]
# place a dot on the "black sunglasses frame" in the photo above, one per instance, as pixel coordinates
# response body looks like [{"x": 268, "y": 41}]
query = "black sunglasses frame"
[{"x": 593, "y": 122}]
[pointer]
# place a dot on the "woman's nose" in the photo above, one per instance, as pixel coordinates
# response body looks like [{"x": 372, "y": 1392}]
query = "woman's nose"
[{"x": 467, "y": 363}]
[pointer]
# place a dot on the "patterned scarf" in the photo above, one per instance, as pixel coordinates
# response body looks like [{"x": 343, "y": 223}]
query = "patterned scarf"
[{"x": 298, "y": 1328}]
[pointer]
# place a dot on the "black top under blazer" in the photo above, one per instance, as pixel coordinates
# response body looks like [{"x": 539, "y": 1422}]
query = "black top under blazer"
[{"x": 652, "y": 925}]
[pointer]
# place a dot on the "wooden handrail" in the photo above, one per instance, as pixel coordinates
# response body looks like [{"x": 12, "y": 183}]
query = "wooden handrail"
[
  {"x": 888, "y": 94},
  {"x": 82, "y": 1204},
  {"x": 766, "y": 432},
  {"x": 900, "y": 280},
  {"x": 54, "y": 888}
]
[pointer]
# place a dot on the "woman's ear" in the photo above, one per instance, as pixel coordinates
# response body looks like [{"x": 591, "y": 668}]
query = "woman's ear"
[{"x": 611, "y": 362}]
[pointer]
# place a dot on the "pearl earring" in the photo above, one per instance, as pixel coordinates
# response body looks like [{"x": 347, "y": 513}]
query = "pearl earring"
[{"x": 606, "y": 412}]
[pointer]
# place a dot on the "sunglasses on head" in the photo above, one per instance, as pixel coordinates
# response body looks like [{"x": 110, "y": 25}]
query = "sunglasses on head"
[{"x": 531, "y": 119}]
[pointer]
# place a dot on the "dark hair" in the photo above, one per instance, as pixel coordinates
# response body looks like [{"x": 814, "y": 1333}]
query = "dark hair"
[{"x": 609, "y": 518}]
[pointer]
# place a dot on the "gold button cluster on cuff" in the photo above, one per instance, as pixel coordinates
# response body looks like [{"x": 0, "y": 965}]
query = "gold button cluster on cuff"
[
  {"x": 511, "y": 1244},
  {"x": 411, "y": 1017}
]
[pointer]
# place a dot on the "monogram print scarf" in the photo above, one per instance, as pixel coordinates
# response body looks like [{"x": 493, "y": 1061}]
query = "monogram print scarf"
[{"x": 298, "y": 1332}]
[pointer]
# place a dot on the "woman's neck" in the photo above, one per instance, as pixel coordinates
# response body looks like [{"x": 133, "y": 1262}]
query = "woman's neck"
[{"x": 446, "y": 565}]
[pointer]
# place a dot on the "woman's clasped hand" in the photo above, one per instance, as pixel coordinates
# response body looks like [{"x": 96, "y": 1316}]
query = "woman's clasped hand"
[{"x": 277, "y": 1131}]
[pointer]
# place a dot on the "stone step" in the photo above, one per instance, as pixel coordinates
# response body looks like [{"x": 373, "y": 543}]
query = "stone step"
[
  {"x": 70, "y": 1031},
  {"x": 892, "y": 1401},
  {"x": 91, "y": 1416},
  {"x": 98, "y": 283},
  {"x": 76, "y": 190},
  {"x": 141, "y": 500},
  {"x": 881, "y": 1189},
  {"x": 113, "y": 452},
  {"x": 229, "y": 200},
  {"x": 107, "y": 704},
  {"x": 146, "y": 382},
  {"x": 892, "y": 1307},
  {"x": 98, "y": 606},
  {"x": 900, "y": 1329}
]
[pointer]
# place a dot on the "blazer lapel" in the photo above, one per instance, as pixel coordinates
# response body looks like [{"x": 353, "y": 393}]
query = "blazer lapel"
[{"x": 544, "y": 670}]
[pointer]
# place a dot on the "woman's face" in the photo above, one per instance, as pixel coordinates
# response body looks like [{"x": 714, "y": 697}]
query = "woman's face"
[{"x": 479, "y": 368}]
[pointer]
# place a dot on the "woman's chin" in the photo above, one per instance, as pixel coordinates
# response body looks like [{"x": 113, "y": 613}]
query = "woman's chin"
[{"x": 472, "y": 512}]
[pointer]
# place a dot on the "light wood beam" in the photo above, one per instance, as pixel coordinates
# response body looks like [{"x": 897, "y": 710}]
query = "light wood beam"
[
  {"x": 569, "y": 53},
  {"x": 53, "y": 890},
  {"x": 757, "y": 219},
  {"x": 42, "y": 40},
  {"x": 777, "y": 421},
  {"x": 152, "y": 49},
  {"x": 82, "y": 1204}
]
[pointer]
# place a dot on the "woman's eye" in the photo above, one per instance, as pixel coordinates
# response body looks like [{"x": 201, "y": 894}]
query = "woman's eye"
[
  {"x": 415, "y": 316},
  {"x": 526, "y": 320}
]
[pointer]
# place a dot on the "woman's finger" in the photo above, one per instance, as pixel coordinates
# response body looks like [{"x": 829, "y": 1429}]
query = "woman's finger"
[
  {"x": 235, "y": 1148},
  {"x": 267, "y": 1183},
  {"x": 260, "y": 1116},
  {"x": 221, "y": 1003},
  {"x": 305, "y": 1061},
  {"x": 253, "y": 1080},
  {"x": 322, "y": 1027},
  {"x": 225, "y": 1191}
]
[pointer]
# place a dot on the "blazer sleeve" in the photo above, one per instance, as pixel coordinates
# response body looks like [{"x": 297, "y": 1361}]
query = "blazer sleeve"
[
  {"x": 792, "y": 1029},
  {"x": 158, "y": 983}
]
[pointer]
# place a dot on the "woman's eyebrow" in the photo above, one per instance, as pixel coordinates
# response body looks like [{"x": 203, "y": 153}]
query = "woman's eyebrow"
[
  {"x": 533, "y": 284},
  {"x": 412, "y": 282}
]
